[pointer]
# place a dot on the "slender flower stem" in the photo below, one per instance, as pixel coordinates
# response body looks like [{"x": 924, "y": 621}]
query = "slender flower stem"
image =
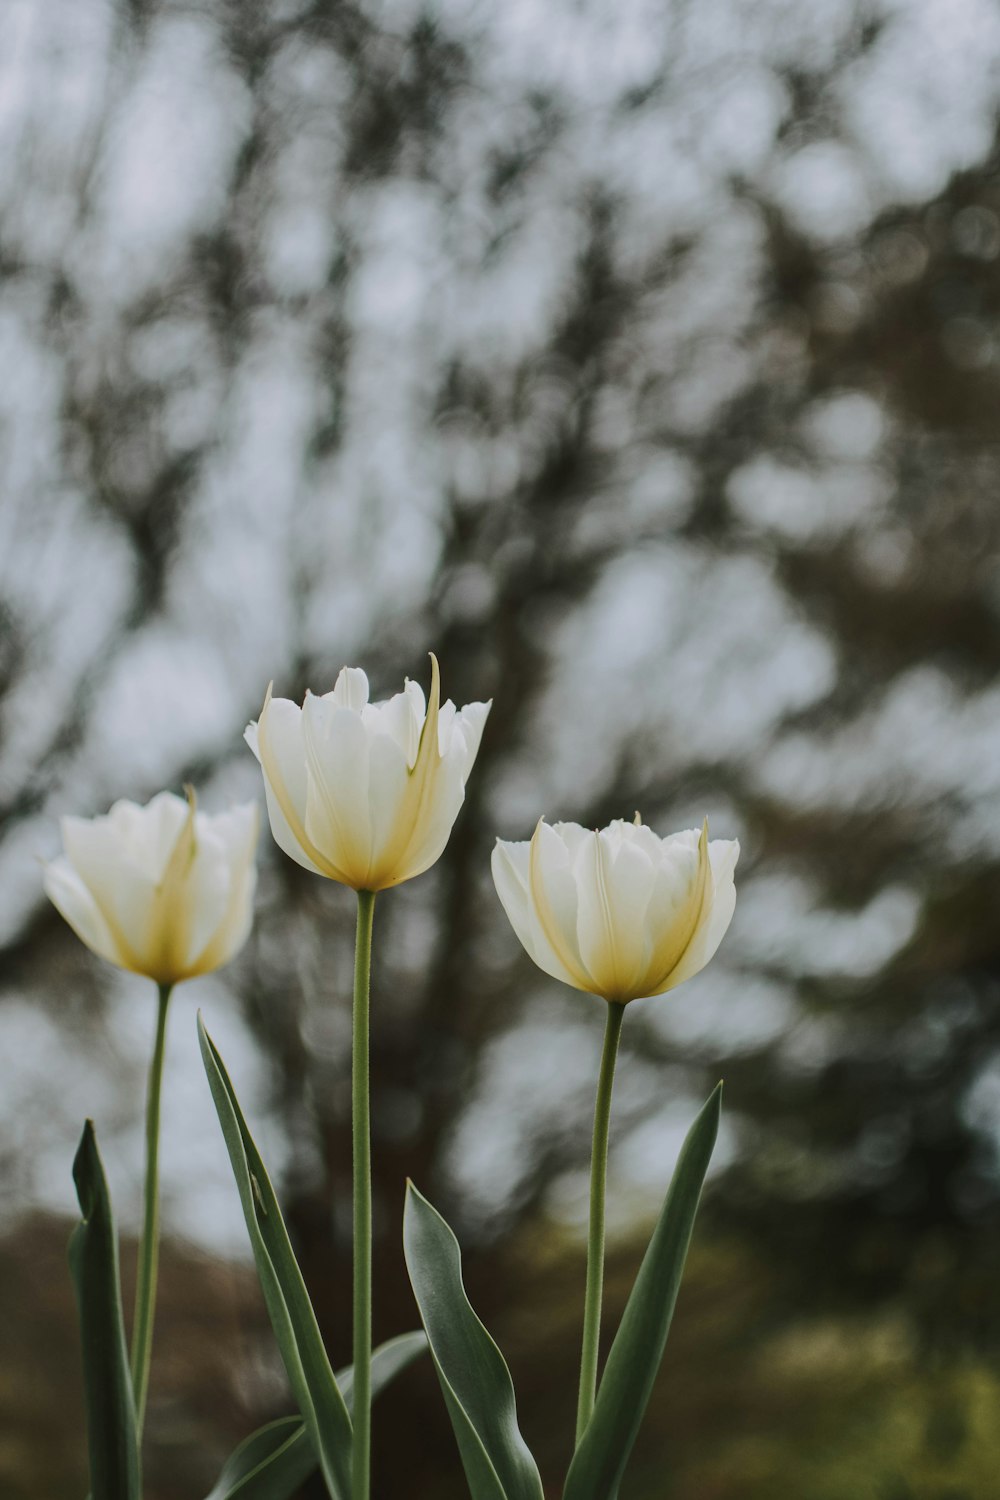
[
  {"x": 149, "y": 1245},
  {"x": 361, "y": 1128},
  {"x": 595, "y": 1238}
]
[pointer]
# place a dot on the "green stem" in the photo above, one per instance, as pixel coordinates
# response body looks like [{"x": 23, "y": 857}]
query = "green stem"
[
  {"x": 149, "y": 1245},
  {"x": 595, "y": 1238},
  {"x": 361, "y": 1130}
]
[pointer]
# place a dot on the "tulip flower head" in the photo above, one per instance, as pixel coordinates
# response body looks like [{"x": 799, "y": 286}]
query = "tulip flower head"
[
  {"x": 619, "y": 913},
  {"x": 366, "y": 793},
  {"x": 161, "y": 890}
]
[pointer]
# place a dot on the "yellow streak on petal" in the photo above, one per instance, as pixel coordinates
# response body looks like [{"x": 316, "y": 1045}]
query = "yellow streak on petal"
[
  {"x": 169, "y": 923},
  {"x": 543, "y": 910},
  {"x": 214, "y": 954},
  {"x": 127, "y": 956},
  {"x": 353, "y": 859},
  {"x": 276, "y": 782},
  {"x": 610, "y": 989},
  {"x": 687, "y": 922},
  {"x": 172, "y": 923},
  {"x": 419, "y": 792}
]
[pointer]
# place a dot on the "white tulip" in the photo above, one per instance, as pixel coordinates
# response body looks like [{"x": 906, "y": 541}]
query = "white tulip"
[
  {"x": 162, "y": 890},
  {"x": 619, "y": 913},
  {"x": 366, "y": 793}
]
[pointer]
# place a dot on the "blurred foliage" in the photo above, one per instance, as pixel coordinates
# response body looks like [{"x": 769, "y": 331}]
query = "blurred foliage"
[
  {"x": 644, "y": 364},
  {"x": 748, "y": 1402},
  {"x": 208, "y": 1314}
]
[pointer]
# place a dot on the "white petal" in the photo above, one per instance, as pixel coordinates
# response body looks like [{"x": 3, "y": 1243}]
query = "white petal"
[
  {"x": 718, "y": 912},
  {"x": 417, "y": 700},
  {"x": 237, "y": 831},
  {"x": 205, "y": 890},
  {"x": 446, "y": 726},
  {"x": 434, "y": 821},
  {"x": 457, "y": 747},
  {"x": 279, "y": 748},
  {"x": 337, "y": 758},
  {"x": 573, "y": 835},
  {"x": 148, "y": 834},
  {"x": 351, "y": 690},
  {"x": 283, "y": 835},
  {"x": 123, "y": 892},
  {"x": 468, "y": 731},
  {"x": 72, "y": 899},
  {"x": 390, "y": 816},
  {"x": 645, "y": 839},
  {"x": 509, "y": 865},
  {"x": 679, "y": 894},
  {"x": 615, "y": 881},
  {"x": 554, "y": 893},
  {"x": 93, "y": 844},
  {"x": 401, "y": 718},
  {"x": 282, "y": 750}
]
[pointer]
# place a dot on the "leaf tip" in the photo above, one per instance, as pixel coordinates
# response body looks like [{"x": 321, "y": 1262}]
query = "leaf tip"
[
  {"x": 87, "y": 1156},
  {"x": 88, "y": 1142},
  {"x": 209, "y": 1051}
]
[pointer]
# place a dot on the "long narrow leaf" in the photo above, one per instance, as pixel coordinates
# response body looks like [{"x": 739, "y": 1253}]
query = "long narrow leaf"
[
  {"x": 275, "y": 1460},
  {"x": 475, "y": 1380},
  {"x": 93, "y": 1259},
  {"x": 270, "y": 1464},
  {"x": 292, "y": 1318},
  {"x": 388, "y": 1360},
  {"x": 637, "y": 1351}
]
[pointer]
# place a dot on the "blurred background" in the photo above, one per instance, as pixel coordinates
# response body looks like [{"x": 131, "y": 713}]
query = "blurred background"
[{"x": 643, "y": 360}]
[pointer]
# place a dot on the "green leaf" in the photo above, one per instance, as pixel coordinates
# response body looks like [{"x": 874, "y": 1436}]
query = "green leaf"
[
  {"x": 93, "y": 1259},
  {"x": 477, "y": 1387},
  {"x": 388, "y": 1361},
  {"x": 270, "y": 1464},
  {"x": 313, "y": 1384},
  {"x": 277, "y": 1458},
  {"x": 637, "y": 1351}
]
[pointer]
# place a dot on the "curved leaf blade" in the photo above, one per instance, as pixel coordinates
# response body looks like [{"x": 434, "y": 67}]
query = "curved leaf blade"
[
  {"x": 275, "y": 1460},
  {"x": 637, "y": 1351},
  {"x": 388, "y": 1360},
  {"x": 477, "y": 1387},
  {"x": 93, "y": 1258},
  {"x": 270, "y": 1464},
  {"x": 312, "y": 1380}
]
